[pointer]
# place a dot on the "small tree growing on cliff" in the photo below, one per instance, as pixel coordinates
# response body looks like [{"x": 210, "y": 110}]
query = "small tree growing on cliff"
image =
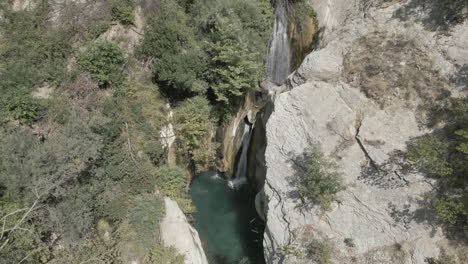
[{"x": 316, "y": 180}]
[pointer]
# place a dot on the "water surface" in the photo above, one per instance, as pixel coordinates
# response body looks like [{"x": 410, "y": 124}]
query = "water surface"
[{"x": 226, "y": 220}]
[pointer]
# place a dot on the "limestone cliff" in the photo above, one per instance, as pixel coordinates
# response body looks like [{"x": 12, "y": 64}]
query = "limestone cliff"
[
  {"x": 177, "y": 232},
  {"x": 362, "y": 96}
]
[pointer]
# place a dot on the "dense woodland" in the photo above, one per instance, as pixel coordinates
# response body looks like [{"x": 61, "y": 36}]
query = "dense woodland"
[
  {"x": 83, "y": 166},
  {"x": 83, "y": 169}
]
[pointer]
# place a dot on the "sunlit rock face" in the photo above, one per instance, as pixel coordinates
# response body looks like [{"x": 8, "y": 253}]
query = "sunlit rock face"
[
  {"x": 363, "y": 119},
  {"x": 178, "y": 233}
]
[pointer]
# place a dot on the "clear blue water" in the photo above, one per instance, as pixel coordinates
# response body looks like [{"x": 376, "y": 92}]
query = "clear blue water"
[{"x": 226, "y": 220}]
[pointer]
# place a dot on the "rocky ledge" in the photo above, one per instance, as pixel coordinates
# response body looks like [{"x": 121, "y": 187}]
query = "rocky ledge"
[{"x": 362, "y": 96}]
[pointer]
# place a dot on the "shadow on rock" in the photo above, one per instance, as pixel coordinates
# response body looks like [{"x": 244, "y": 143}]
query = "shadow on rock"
[{"x": 435, "y": 15}]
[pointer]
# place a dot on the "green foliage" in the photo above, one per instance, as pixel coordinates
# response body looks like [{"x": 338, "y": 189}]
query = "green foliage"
[
  {"x": 447, "y": 159},
  {"x": 172, "y": 181},
  {"x": 193, "y": 120},
  {"x": 30, "y": 53},
  {"x": 316, "y": 179},
  {"x": 98, "y": 29},
  {"x": 24, "y": 109},
  {"x": 463, "y": 142},
  {"x": 22, "y": 241},
  {"x": 288, "y": 250},
  {"x": 430, "y": 155},
  {"x": 320, "y": 251},
  {"x": 194, "y": 125},
  {"x": 163, "y": 255},
  {"x": 234, "y": 68},
  {"x": 144, "y": 214},
  {"x": 122, "y": 11},
  {"x": 103, "y": 60},
  {"x": 170, "y": 41},
  {"x": 451, "y": 211},
  {"x": 443, "y": 260},
  {"x": 300, "y": 12}
]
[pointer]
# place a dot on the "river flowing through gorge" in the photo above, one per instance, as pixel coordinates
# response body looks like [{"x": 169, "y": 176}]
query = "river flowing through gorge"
[{"x": 226, "y": 217}]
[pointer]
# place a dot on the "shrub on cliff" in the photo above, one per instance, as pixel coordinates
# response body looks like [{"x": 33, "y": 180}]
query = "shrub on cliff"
[
  {"x": 234, "y": 69},
  {"x": 430, "y": 155},
  {"x": 316, "y": 180},
  {"x": 194, "y": 124},
  {"x": 169, "y": 42},
  {"x": 103, "y": 60},
  {"x": 122, "y": 11},
  {"x": 320, "y": 251}
]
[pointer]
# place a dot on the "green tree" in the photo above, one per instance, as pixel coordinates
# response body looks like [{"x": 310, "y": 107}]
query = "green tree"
[
  {"x": 234, "y": 69},
  {"x": 316, "y": 178},
  {"x": 122, "y": 11},
  {"x": 194, "y": 125},
  {"x": 430, "y": 154},
  {"x": 103, "y": 60},
  {"x": 321, "y": 251},
  {"x": 170, "y": 42}
]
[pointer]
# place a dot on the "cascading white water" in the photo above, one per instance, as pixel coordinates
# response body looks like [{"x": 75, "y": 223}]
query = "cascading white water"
[
  {"x": 279, "y": 58},
  {"x": 240, "y": 176}
]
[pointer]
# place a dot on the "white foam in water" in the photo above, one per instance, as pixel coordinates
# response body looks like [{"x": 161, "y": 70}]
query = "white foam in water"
[
  {"x": 237, "y": 182},
  {"x": 216, "y": 177}
]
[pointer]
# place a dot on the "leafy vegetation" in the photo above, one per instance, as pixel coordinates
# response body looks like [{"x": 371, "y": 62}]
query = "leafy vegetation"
[
  {"x": 234, "y": 69},
  {"x": 122, "y": 11},
  {"x": 300, "y": 12},
  {"x": 289, "y": 250},
  {"x": 85, "y": 168},
  {"x": 430, "y": 154},
  {"x": 103, "y": 60},
  {"x": 194, "y": 125},
  {"x": 443, "y": 260},
  {"x": 446, "y": 159},
  {"x": 24, "y": 109},
  {"x": 170, "y": 43},
  {"x": 316, "y": 179},
  {"x": 320, "y": 251}
]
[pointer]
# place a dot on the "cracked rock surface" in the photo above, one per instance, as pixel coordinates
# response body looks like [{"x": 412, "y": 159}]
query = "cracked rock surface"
[{"x": 384, "y": 208}]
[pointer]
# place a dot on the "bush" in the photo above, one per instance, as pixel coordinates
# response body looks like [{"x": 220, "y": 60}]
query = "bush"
[
  {"x": 24, "y": 109},
  {"x": 178, "y": 62},
  {"x": 31, "y": 53},
  {"x": 316, "y": 179},
  {"x": 234, "y": 68},
  {"x": 451, "y": 211},
  {"x": 162, "y": 255},
  {"x": 349, "y": 242},
  {"x": 103, "y": 60},
  {"x": 320, "y": 251},
  {"x": 193, "y": 124},
  {"x": 171, "y": 181},
  {"x": 122, "y": 11},
  {"x": 443, "y": 260},
  {"x": 289, "y": 250},
  {"x": 299, "y": 14},
  {"x": 429, "y": 154}
]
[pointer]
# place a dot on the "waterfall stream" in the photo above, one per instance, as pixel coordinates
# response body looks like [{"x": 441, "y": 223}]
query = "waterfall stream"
[
  {"x": 279, "y": 58},
  {"x": 240, "y": 175},
  {"x": 226, "y": 216}
]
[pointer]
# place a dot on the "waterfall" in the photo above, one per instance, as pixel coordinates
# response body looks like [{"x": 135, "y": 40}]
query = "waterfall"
[
  {"x": 240, "y": 176},
  {"x": 279, "y": 54}
]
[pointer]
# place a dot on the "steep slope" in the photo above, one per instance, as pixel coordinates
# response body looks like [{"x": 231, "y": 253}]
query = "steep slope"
[{"x": 362, "y": 96}]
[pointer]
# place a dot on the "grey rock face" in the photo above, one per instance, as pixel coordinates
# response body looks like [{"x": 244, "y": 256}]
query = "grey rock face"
[
  {"x": 177, "y": 232},
  {"x": 383, "y": 211}
]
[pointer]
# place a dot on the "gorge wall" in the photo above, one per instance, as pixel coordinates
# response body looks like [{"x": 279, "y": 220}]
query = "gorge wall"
[{"x": 362, "y": 119}]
